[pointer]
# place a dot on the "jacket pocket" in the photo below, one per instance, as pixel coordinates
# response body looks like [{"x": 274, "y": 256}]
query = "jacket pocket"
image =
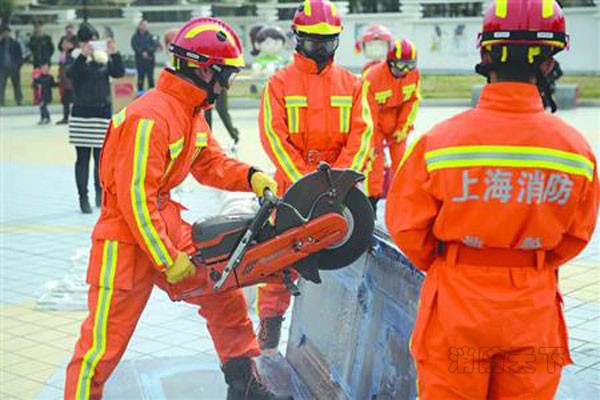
[
  {"x": 112, "y": 264},
  {"x": 344, "y": 106},
  {"x": 293, "y": 105}
]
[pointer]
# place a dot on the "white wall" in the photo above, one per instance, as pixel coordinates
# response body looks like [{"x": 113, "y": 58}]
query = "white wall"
[{"x": 444, "y": 53}]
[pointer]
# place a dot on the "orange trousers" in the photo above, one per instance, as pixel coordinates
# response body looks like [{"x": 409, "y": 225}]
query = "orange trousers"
[
  {"x": 488, "y": 331},
  {"x": 375, "y": 172},
  {"x": 116, "y": 303}
]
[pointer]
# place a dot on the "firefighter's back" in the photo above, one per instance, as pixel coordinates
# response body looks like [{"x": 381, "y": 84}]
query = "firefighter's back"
[{"x": 508, "y": 174}]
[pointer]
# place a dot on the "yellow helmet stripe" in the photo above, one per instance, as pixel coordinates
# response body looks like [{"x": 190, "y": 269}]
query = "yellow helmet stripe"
[
  {"x": 307, "y": 8},
  {"x": 209, "y": 27},
  {"x": 322, "y": 28},
  {"x": 501, "y": 8},
  {"x": 547, "y": 8}
]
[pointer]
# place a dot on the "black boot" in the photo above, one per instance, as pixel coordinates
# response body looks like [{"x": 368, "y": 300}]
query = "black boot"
[
  {"x": 269, "y": 332},
  {"x": 244, "y": 382},
  {"x": 84, "y": 204}
]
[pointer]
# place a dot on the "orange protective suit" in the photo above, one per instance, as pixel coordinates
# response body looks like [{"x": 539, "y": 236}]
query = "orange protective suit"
[
  {"x": 150, "y": 148},
  {"x": 394, "y": 105},
  {"x": 307, "y": 117},
  {"x": 490, "y": 203}
]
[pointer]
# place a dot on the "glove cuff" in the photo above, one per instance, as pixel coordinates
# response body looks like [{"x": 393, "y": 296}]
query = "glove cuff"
[{"x": 251, "y": 172}]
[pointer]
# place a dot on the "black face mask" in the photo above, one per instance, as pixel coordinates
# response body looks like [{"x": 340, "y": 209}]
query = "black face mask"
[{"x": 320, "y": 48}]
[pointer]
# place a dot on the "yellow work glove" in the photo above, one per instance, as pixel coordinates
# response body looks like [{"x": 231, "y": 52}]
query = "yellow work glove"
[
  {"x": 261, "y": 181},
  {"x": 181, "y": 268}
]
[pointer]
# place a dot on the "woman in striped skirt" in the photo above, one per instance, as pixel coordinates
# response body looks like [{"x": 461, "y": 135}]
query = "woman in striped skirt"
[{"x": 90, "y": 71}]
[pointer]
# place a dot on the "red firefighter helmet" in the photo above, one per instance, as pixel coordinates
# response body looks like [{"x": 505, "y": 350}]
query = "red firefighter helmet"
[
  {"x": 374, "y": 32},
  {"x": 402, "y": 50},
  {"x": 527, "y": 22},
  {"x": 402, "y": 57},
  {"x": 317, "y": 17},
  {"x": 203, "y": 42}
]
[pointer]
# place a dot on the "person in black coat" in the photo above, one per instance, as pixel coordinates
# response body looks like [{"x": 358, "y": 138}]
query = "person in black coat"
[
  {"x": 11, "y": 60},
  {"x": 144, "y": 46},
  {"x": 45, "y": 82},
  {"x": 41, "y": 46},
  {"x": 90, "y": 71}
]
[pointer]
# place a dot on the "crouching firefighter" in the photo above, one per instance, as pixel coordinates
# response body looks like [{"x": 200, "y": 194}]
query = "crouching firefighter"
[
  {"x": 311, "y": 111},
  {"x": 140, "y": 239},
  {"x": 394, "y": 97},
  {"x": 491, "y": 203}
]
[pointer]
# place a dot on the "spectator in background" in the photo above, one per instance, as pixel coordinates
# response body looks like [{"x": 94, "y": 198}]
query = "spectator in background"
[
  {"x": 144, "y": 45},
  {"x": 41, "y": 46},
  {"x": 44, "y": 84},
  {"x": 92, "y": 106},
  {"x": 10, "y": 65},
  {"x": 66, "y": 45}
]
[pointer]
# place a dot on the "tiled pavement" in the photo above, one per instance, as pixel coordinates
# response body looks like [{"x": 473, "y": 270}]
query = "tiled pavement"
[{"x": 41, "y": 229}]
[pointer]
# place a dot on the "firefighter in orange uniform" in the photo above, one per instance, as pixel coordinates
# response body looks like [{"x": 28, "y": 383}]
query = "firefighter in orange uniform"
[
  {"x": 140, "y": 238},
  {"x": 394, "y": 96},
  {"x": 375, "y": 43},
  {"x": 312, "y": 110},
  {"x": 490, "y": 203}
]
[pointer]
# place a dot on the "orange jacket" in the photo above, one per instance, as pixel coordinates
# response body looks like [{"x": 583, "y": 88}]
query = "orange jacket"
[
  {"x": 150, "y": 148},
  {"x": 505, "y": 175},
  {"x": 306, "y": 117},
  {"x": 394, "y": 102},
  {"x": 368, "y": 66}
]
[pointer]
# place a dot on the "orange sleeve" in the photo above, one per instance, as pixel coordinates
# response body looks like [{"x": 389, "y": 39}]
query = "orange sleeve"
[
  {"x": 582, "y": 226},
  {"x": 356, "y": 152},
  {"x": 410, "y": 107},
  {"x": 411, "y": 210},
  {"x": 138, "y": 172},
  {"x": 214, "y": 168},
  {"x": 274, "y": 134}
]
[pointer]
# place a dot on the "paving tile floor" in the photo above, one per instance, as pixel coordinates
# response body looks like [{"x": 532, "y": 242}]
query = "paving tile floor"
[{"x": 41, "y": 230}]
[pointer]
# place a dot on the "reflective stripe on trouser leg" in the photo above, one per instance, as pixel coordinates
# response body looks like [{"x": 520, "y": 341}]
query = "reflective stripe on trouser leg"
[
  {"x": 95, "y": 353},
  {"x": 126, "y": 306}
]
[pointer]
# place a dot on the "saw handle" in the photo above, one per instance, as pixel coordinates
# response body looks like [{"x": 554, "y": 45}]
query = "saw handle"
[{"x": 262, "y": 216}]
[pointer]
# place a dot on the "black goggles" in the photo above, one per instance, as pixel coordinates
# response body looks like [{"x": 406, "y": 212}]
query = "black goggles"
[
  {"x": 314, "y": 43},
  {"x": 402, "y": 67}
]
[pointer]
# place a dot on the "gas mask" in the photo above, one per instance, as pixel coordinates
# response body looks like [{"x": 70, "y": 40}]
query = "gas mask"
[{"x": 320, "y": 48}]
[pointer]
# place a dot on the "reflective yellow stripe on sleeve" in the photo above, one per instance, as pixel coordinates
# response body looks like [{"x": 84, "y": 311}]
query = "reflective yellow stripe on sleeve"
[
  {"x": 99, "y": 330},
  {"x": 365, "y": 143},
  {"x": 282, "y": 157},
  {"x": 157, "y": 248}
]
